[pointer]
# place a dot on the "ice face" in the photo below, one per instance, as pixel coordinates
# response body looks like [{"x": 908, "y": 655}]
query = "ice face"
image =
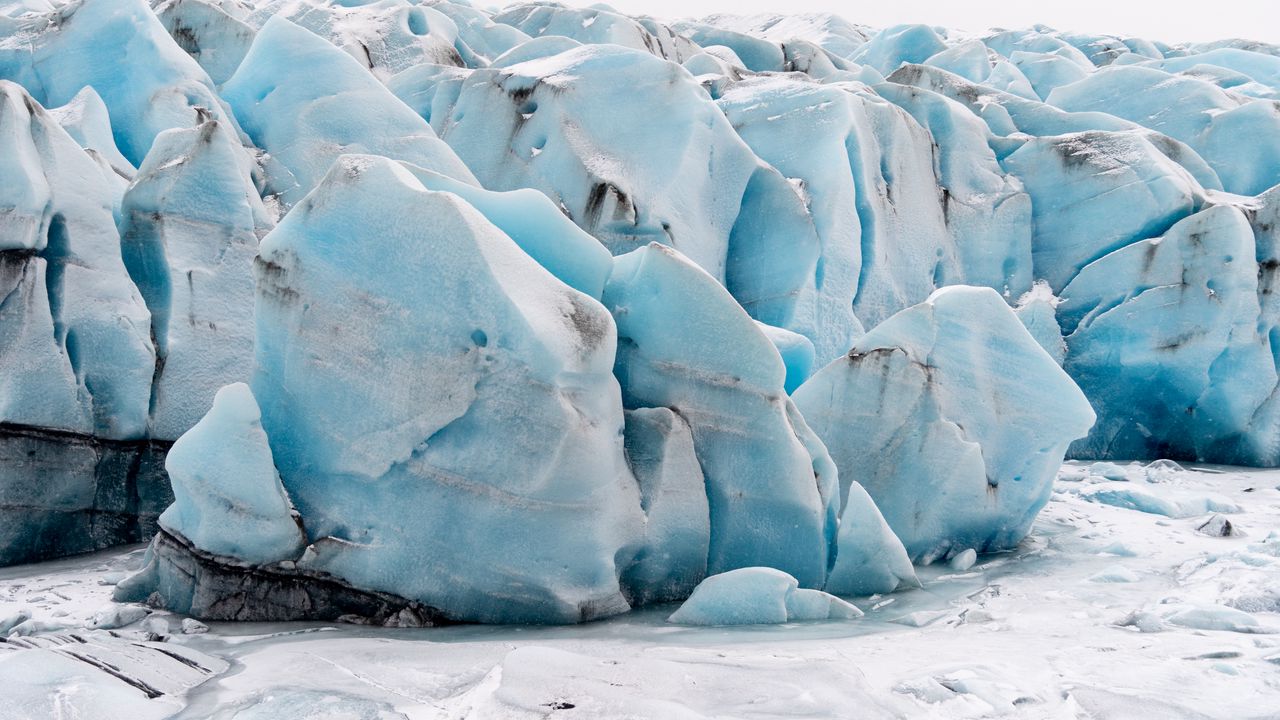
[
  {"x": 672, "y": 558},
  {"x": 956, "y": 452},
  {"x": 189, "y": 233},
  {"x": 439, "y": 362},
  {"x": 76, "y": 353},
  {"x": 684, "y": 343},
  {"x": 1154, "y": 328}
]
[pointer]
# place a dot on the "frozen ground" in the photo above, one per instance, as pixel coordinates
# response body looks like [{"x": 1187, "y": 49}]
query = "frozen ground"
[{"x": 1108, "y": 610}]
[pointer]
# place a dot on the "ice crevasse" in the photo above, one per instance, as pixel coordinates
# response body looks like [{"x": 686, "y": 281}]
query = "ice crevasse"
[{"x": 717, "y": 295}]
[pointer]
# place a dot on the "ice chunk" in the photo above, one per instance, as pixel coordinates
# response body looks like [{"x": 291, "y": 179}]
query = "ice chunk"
[
  {"x": 963, "y": 560},
  {"x": 120, "y": 49},
  {"x": 487, "y": 39},
  {"x": 118, "y": 616},
  {"x": 1169, "y": 502},
  {"x": 228, "y": 499},
  {"x": 755, "y": 54},
  {"x": 673, "y": 495},
  {"x": 628, "y": 145},
  {"x": 869, "y": 557},
  {"x": 189, "y": 234},
  {"x": 306, "y": 102},
  {"x": 384, "y": 37},
  {"x": 402, "y": 367},
  {"x": 1115, "y": 574},
  {"x": 758, "y": 596},
  {"x": 1218, "y": 526},
  {"x": 965, "y": 451},
  {"x": 208, "y": 33},
  {"x": 1236, "y": 135},
  {"x": 85, "y": 119},
  {"x": 899, "y": 44},
  {"x": 1095, "y": 192},
  {"x": 796, "y": 351},
  {"x": 75, "y": 352},
  {"x": 685, "y": 344},
  {"x": 1157, "y": 330},
  {"x": 597, "y": 25}
]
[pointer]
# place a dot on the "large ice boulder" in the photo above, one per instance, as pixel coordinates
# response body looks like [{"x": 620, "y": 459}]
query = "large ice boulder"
[
  {"x": 1161, "y": 334},
  {"x": 758, "y": 596},
  {"x": 306, "y": 102},
  {"x": 120, "y": 49},
  {"x": 954, "y": 420},
  {"x": 440, "y": 407},
  {"x": 683, "y": 343},
  {"x": 189, "y": 234}
]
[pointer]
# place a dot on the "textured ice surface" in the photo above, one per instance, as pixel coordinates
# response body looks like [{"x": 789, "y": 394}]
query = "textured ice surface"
[{"x": 957, "y": 449}]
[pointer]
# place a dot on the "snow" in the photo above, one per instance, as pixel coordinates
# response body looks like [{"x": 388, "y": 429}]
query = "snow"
[{"x": 1023, "y": 634}]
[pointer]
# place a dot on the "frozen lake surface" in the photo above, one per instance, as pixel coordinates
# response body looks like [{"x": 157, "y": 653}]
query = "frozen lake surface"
[{"x": 1108, "y": 610}]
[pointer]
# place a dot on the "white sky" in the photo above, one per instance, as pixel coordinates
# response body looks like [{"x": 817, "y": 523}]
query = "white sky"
[{"x": 1167, "y": 20}]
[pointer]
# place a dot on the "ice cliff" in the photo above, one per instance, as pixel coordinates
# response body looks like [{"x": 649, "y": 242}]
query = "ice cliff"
[{"x": 540, "y": 314}]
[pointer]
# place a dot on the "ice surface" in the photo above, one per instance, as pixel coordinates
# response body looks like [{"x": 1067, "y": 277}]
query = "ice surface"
[
  {"x": 758, "y": 596},
  {"x": 964, "y": 451}
]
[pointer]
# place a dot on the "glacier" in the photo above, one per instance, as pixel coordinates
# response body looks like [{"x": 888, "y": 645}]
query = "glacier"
[{"x": 418, "y": 312}]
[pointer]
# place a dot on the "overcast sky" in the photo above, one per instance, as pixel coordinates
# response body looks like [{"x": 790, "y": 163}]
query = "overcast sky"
[{"x": 1168, "y": 20}]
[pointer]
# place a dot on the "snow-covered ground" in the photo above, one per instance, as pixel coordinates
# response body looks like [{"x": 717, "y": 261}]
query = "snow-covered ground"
[{"x": 1107, "y": 610}]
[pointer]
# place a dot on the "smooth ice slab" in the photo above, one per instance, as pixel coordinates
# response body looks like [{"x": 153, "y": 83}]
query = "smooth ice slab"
[{"x": 758, "y": 596}]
